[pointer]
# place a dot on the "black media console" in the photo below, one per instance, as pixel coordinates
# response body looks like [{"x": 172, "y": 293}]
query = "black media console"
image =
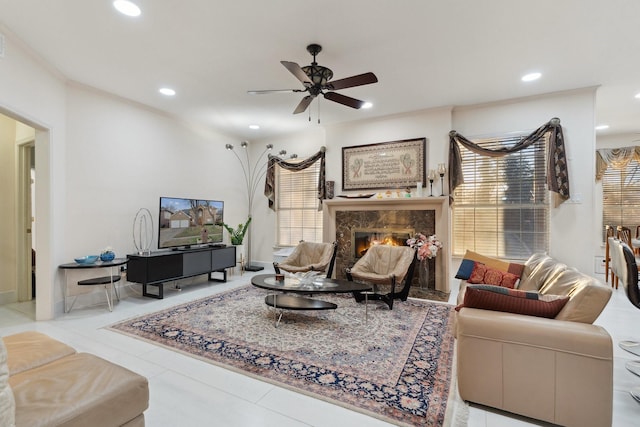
[{"x": 156, "y": 268}]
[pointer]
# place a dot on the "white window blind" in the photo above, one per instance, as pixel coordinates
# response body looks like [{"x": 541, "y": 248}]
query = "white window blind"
[
  {"x": 297, "y": 206},
  {"x": 621, "y": 196},
  {"x": 502, "y": 209}
]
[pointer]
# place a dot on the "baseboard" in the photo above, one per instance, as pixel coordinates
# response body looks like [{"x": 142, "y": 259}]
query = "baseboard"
[{"x": 8, "y": 297}]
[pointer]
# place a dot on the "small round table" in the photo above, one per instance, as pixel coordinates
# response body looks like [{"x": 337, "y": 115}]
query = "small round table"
[{"x": 108, "y": 281}]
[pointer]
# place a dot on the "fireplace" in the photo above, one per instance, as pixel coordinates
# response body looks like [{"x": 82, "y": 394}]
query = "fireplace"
[
  {"x": 363, "y": 238},
  {"x": 427, "y": 215}
]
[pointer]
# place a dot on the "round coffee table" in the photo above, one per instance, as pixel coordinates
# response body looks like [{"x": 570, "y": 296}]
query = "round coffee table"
[{"x": 319, "y": 285}]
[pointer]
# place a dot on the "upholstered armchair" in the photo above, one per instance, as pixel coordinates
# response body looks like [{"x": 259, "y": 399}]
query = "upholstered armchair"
[
  {"x": 385, "y": 267},
  {"x": 309, "y": 256}
]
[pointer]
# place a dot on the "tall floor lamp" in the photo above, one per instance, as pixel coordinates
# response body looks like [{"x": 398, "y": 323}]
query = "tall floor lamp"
[{"x": 253, "y": 175}]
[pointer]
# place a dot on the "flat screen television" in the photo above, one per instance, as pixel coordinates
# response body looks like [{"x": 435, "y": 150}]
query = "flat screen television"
[{"x": 189, "y": 222}]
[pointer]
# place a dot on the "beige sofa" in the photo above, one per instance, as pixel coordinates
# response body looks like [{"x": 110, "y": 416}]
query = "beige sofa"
[
  {"x": 53, "y": 385},
  {"x": 558, "y": 370}
]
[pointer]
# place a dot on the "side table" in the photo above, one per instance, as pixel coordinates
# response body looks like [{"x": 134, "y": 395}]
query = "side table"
[{"x": 107, "y": 281}]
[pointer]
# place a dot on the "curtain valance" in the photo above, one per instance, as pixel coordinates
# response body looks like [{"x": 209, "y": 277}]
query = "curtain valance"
[
  {"x": 270, "y": 180},
  {"x": 617, "y": 158},
  {"x": 557, "y": 170}
]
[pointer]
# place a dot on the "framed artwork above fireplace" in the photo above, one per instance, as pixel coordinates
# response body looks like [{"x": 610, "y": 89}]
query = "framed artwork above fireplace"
[{"x": 385, "y": 165}]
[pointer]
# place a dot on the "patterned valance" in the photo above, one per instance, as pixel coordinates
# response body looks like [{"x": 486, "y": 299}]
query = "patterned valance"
[
  {"x": 270, "y": 181},
  {"x": 617, "y": 158},
  {"x": 557, "y": 170}
]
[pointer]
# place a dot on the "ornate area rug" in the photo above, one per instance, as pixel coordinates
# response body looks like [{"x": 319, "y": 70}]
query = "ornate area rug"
[{"x": 398, "y": 366}]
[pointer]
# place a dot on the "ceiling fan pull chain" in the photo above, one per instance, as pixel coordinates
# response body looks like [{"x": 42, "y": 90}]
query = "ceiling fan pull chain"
[{"x": 318, "y": 110}]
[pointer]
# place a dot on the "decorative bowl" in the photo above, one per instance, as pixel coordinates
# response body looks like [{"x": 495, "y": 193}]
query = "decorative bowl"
[
  {"x": 89, "y": 259},
  {"x": 107, "y": 256}
]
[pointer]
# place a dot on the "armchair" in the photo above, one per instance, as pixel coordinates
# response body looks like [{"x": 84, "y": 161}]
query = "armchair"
[
  {"x": 385, "y": 266},
  {"x": 309, "y": 256}
]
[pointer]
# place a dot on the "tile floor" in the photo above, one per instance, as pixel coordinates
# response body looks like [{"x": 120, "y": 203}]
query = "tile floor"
[{"x": 188, "y": 392}]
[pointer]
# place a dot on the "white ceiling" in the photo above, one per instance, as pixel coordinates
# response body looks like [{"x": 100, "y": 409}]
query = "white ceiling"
[{"x": 425, "y": 53}]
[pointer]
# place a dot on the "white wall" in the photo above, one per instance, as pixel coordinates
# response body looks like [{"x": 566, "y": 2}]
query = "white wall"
[
  {"x": 572, "y": 225},
  {"x": 35, "y": 95},
  {"x": 433, "y": 124}
]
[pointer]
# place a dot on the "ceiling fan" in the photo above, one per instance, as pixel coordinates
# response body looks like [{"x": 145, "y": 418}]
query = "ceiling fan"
[{"x": 317, "y": 81}]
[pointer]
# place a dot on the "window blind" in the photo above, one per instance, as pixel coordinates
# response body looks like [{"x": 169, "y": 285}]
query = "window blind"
[
  {"x": 298, "y": 217},
  {"x": 502, "y": 209},
  {"x": 621, "y": 196}
]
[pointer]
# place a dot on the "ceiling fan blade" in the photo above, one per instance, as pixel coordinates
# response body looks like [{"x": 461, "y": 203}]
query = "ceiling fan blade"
[
  {"x": 359, "y": 80},
  {"x": 297, "y": 71},
  {"x": 344, "y": 100},
  {"x": 263, "y": 92},
  {"x": 303, "y": 104}
]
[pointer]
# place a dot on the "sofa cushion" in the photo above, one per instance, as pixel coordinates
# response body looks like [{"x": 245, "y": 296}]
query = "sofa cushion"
[
  {"x": 79, "y": 390},
  {"x": 536, "y": 270},
  {"x": 498, "y": 298},
  {"x": 7, "y": 402},
  {"x": 28, "y": 350},
  {"x": 588, "y": 296},
  {"x": 490, "y": 276},
  {"x": 471, "y": 257}
]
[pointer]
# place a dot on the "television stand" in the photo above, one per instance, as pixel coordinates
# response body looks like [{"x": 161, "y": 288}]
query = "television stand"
[{"x": 157, "y": 268}]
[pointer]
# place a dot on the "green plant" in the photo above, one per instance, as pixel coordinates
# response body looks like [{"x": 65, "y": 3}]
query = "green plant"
[{"x": 237, "y": 235}]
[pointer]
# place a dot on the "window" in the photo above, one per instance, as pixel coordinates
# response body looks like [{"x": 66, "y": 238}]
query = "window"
[
  {"x": 298, "y": 216},
  {"x": 621, "y": 196},
  {"x": 502, "y": 209}
]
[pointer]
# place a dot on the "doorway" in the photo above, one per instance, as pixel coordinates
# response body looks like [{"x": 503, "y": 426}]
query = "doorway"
[{"x": 26, "y": 285}]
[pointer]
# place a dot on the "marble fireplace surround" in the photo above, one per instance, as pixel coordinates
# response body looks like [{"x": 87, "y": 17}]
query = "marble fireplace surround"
[{"x": 391, "y": 212}]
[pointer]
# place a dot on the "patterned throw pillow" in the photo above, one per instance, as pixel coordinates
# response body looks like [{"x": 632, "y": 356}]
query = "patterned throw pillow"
[
  {"x": 497, "y": 298},
  {"x": 471, "y": 258},
  {"x": 490, "y": 276}
]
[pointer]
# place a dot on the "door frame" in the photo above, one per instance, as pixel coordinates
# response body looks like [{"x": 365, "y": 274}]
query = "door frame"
[{"x": 25, "y": 220}]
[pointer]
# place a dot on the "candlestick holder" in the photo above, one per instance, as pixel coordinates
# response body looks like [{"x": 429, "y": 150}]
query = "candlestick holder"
[
  {"x": 441, "y": 171},
  {"x": 432, "y": 177}
]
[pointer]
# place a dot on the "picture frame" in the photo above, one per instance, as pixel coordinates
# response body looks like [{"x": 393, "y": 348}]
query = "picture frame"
[{"x": 384, "y": 165}]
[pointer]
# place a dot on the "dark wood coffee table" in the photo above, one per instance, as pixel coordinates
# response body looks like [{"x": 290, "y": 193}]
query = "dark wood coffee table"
[{"x": 284, "y": 300}]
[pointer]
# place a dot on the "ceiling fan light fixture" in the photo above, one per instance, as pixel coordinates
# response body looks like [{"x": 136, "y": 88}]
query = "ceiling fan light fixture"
[
  {"x": 367, "y": 105},
  {"x": 254, "y": 127},
  {"x": 127, "y": 7}
]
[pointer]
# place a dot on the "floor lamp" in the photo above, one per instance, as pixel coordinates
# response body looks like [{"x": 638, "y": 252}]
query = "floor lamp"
[{"x": 253, "y": 175}]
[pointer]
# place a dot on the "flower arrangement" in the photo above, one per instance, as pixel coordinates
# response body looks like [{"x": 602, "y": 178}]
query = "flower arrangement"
[
  {"x": 427, "y": 246},
  {"x": 237, "y": 235}
]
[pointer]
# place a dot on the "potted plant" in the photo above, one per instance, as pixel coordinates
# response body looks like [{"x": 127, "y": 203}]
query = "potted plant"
[{"x": 236, "y": 235}]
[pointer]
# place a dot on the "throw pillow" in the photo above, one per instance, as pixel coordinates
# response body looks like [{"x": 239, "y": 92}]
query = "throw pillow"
[
  {"x": 466, "y": 267},
  {"x": 7, "y": 401},
  {"x": 490, "y": 276},
  {"x": 470, "y": 258},
  {"x": 498, "y": 298}
]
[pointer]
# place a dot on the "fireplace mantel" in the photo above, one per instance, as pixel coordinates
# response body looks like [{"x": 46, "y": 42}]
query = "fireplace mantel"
[{"x": 439, "y": 204}]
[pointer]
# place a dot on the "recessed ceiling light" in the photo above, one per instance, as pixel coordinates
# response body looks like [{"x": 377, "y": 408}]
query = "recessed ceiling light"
[
  {"x": 127, "y": 7},
  {"x": 367, "y": 105},
  {"x": 638, "y": 95},
  {"x": 602, "y": 127},
  {"x": 531, "y": 77},
  {"x": 254, "y": 127},
  {"x": 167, "y": 91}
]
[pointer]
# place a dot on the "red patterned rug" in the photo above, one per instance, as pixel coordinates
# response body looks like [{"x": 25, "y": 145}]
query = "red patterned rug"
[{"x": 398, "y": 366}]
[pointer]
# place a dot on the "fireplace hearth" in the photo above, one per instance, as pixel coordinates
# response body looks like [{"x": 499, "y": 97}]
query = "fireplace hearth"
[
  {"x": 363, "y": 238},
  {"x": 343, "y": 218}
]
